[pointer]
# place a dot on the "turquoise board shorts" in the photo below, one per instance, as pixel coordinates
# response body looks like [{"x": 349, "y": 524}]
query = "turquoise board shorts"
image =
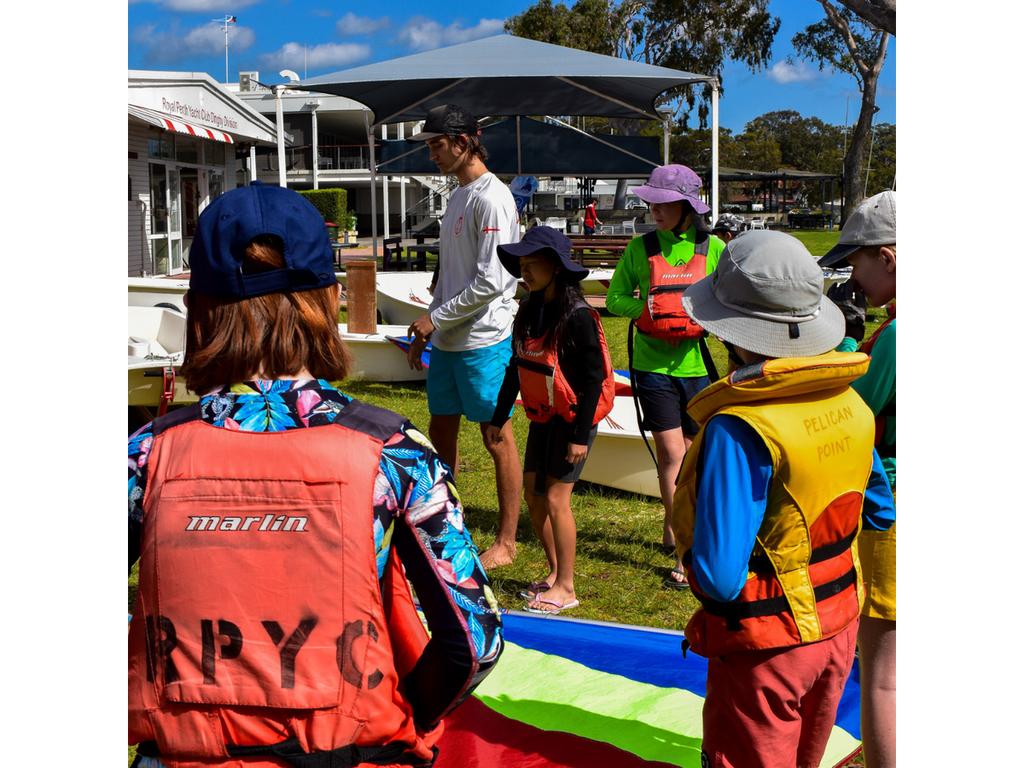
[{"x": 467, "y": 383}]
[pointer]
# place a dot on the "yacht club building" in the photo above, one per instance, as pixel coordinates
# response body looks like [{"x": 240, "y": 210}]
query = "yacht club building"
[{"x": 189, "y": 140}]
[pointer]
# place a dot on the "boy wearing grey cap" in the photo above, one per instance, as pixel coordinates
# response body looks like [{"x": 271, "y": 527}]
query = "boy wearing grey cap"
[
  {"x": 771, "y": 497},
  {"x": 868, "y": 244}
]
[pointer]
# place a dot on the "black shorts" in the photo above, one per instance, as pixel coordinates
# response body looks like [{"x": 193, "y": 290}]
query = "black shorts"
[
  {"x": 546, "y": 446},
  {"x": 663, "y": 400}
]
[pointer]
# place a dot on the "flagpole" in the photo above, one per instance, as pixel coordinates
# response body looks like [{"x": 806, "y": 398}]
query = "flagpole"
[{"x": 224, "y": 26}]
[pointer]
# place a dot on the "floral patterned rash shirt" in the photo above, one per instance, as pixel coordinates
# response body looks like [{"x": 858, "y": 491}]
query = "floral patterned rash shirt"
[{"x": 416, "y": 510}]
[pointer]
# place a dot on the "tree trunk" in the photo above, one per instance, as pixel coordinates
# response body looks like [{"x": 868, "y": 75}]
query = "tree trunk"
[{"x": 853, "y": 163}]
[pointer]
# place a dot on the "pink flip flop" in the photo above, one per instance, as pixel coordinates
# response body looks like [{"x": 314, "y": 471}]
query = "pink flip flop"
[
  {"x": 559, "y": 607},
  {"x": 533, "y": 589}
]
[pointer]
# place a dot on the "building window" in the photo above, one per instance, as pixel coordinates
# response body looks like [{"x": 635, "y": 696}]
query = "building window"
[
  {"x": 214, "y": 153},
  {"x": 186, "y": 149},
  {"x": 160, "y": 143},
  {"x": 158, "y": 198}
]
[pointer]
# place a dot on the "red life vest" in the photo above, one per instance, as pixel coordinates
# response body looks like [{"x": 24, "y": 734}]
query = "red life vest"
[
  {"x": 663, "y": 316},
  {"x": 260, "y": 617},
  {"x": 542, "y": 384}
]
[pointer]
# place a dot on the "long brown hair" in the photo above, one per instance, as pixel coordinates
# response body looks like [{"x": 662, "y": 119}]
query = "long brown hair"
[{"x": 271, "y": 336}]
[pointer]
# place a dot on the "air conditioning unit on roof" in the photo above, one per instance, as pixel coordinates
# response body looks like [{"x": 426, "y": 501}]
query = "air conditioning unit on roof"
[{"x": 248, "y": 82}]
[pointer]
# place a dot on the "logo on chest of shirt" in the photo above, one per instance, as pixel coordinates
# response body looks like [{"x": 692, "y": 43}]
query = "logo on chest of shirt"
[{"x": 457, "y": 230}]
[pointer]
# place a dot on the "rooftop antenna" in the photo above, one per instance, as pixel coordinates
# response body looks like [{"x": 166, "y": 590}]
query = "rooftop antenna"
[{"x": 225, "y": 22}]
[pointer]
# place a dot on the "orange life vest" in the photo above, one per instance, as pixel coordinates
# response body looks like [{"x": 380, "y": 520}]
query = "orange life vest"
[
  {"x": 260, "y": 618},
  {"x": 663, "y": 316},
  {"x": 542, "y": 384}
]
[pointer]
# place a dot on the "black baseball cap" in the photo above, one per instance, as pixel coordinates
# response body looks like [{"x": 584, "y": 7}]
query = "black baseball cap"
[
  {"x": 447, "y": 120},
  {"x": 541, "y": 239},
  {"x": 227, "y": 226}
]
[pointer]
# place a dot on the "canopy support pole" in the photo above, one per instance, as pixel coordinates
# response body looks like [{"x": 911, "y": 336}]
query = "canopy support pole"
[
  {"x": 714, "y": 151},
  {"x": 282, "y": 177},
  {"x": 401, "y": 187},
  {"x": 384, "y": 186},
  {"x": 665, "y": 132},
  {"x": 373, "y": 182}
]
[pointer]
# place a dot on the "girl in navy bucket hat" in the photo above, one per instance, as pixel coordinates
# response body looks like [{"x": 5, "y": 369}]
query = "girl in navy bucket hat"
[
  {"x": 666, "y": 360},
  {"x": 562, "y": 368}
]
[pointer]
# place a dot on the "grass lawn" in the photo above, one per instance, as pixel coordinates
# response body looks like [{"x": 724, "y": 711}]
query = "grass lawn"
[{"x": 818, "y": 241}]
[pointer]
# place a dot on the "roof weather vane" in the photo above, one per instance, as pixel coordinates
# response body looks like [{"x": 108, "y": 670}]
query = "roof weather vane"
[{"x": 225, "y": 24}]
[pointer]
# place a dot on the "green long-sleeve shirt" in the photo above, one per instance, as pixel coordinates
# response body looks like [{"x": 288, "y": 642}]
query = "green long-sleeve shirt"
[
  {"x": 878, "y": 386},
  {"x": 631, "y": 273}
]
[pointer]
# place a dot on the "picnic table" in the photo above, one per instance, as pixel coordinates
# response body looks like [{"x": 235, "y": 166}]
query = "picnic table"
[{"x": 598, "y": 250}]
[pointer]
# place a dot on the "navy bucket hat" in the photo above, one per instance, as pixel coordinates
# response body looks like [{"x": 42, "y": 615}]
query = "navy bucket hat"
[
  {"x": 229, "y": 224},
  {"x": 541, "y": 239}
]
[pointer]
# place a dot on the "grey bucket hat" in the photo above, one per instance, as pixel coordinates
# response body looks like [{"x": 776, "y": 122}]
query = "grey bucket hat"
[
  {"x": 766, "y": 296},
  {"x": 873, "y": 222}
]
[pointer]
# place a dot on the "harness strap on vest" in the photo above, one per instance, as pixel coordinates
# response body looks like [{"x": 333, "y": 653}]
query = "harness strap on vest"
[
  {"x": 290, "y": 753},
  {"x": 734, "y": 611},
  {"x": 343, "y": 757},
  {"x": 761, "y": 564}
]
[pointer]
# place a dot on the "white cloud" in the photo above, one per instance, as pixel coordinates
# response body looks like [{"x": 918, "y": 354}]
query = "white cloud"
[
  {"x": 350, "y": 24},
  {"x": 296, "y": 56},
  {"x": 421, "y": 34},
  {"x": 162, "y": 45},
  {"x": 786, "y": 72}
]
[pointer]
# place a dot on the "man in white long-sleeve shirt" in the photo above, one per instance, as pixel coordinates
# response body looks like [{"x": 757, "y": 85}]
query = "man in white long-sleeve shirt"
[{"x": 469, "y": 321}]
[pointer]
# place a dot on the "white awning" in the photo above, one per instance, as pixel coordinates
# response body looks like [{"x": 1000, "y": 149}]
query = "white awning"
[{"x": 180, "y": 126}]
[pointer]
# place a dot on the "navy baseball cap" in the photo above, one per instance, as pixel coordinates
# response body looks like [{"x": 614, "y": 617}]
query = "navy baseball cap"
[
  {"x": 229, "y": 224},
  {"x": 539, "y": 239}
]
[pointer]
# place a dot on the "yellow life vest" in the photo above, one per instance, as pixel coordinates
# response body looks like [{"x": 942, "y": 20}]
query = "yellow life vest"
[{"x": 803, "y": 582}]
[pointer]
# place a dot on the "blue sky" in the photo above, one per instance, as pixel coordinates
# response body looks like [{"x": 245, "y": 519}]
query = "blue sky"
[{"x": 315, "y": 37}]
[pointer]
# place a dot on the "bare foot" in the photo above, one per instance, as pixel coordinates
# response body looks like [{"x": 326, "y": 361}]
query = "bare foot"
[{"x": 497, "y": 556}]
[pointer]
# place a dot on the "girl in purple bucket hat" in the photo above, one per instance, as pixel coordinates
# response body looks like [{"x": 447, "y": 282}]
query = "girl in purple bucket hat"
[{"x": 666, "y": 361}]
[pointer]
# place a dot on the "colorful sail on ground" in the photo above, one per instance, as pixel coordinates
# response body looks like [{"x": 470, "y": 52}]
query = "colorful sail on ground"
[
  {"x": 404, "y": 342},
  {"x": 572, "y": 694}
]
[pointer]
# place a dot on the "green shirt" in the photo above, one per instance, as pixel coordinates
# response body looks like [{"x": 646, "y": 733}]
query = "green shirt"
[
  {"x": 632, "y": 272},
  {"x": 878, "y": 386}
]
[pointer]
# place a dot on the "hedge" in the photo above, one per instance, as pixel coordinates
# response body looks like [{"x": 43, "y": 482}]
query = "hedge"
[{"x": 332, "y": 203}]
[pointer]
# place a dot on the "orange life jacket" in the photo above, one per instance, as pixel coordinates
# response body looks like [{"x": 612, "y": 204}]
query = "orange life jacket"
[
  {"x": 663, "y": 316},
  {"x": 542, "y": 384},
  {"x": 260, "y": 618}
]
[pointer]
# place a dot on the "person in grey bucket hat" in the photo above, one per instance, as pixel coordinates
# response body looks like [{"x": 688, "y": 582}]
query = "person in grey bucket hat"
[
  {"x": 766, "y": 297},
  {"x": 780, "y": 479}
]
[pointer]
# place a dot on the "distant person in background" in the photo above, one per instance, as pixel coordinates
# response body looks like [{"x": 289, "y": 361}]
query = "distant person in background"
[
  {"x": 868, "y": 244},
  {"x": 590, "y": 220},
  {"x": 667, "y": 360},
  {"x": 727, "y": 227},
  {"x": 772, "y": 494},
  {"x": 469, "y": 321}
]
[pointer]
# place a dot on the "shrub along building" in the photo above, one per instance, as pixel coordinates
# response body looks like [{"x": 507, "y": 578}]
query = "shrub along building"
[{"x": 189, "y": 140}]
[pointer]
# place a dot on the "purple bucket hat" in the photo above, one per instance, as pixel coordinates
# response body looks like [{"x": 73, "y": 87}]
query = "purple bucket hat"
[{"x": 669, "y": 183}]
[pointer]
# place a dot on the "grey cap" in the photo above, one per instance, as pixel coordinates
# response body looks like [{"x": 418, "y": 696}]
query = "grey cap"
[
  {"x": 766, "y": 296},
  {"x": 728, "y": 222},
  {"x": 872, "y": 223}
]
